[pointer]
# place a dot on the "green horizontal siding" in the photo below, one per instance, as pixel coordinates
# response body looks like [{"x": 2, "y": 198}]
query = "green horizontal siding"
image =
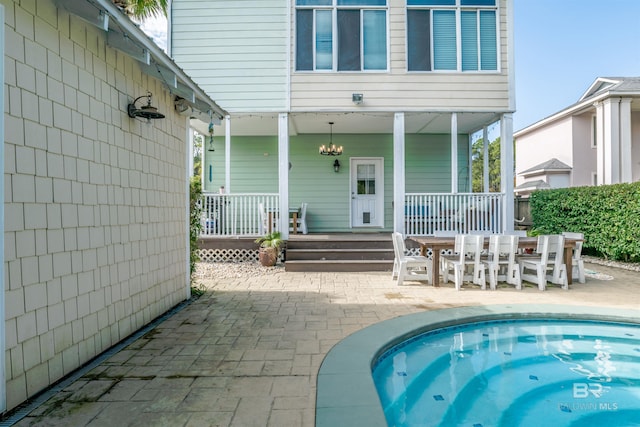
[{"x": 254, "y": 169}]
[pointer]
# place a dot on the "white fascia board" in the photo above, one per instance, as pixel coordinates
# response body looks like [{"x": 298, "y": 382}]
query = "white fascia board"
[{"x": 93, "y": 11}]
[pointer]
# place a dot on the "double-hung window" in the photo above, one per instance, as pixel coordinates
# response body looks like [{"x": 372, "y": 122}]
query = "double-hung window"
[
  {"x": 341, "y": 35},
  {"x": 452, "y": 35}
]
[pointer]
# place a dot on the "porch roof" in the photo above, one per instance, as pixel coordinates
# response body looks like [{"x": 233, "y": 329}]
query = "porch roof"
[{"x": 354, "y": 122}]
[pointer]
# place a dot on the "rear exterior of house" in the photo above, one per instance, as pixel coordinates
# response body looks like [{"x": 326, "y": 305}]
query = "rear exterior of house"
[
  {"x": 405, "y": 83},
  {"x": 595, "y": 141},
  {"x": 95, "y": 213}
]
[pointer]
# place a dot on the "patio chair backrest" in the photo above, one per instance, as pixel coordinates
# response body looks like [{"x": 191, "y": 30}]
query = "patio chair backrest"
[
  {"x": 577, "y": 250},
  {"x": 503, "y": 244},
  {"x": 470, "y": 245},
  {"x": 398, "y": 245}
]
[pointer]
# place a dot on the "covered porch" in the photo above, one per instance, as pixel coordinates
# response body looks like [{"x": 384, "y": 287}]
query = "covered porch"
[{"x": 404, "y": 171}]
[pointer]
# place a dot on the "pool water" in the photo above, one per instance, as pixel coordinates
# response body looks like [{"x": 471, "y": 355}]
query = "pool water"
[{"x": 514, "y": 373}]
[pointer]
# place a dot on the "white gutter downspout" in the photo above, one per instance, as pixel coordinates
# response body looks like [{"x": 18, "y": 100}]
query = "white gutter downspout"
[{"x": 3, "y": 374}]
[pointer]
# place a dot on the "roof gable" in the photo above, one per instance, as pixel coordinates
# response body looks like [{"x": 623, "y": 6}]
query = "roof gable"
[
  {"x": 612, "y": 85},
  {"x": 552, "y": 165}
]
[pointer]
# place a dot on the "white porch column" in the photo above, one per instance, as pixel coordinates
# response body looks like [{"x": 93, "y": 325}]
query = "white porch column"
[
  {"x": 398, "y": 173},
  {"x": 454, "y": 153},
  {"x": 227, "y": 154},
  {"x": 485, "y": 159},
  {"x": 506, "y": 170},
  {"x": 600, "y": 154},
  {"x": 283, "y": 172},
  {"x": 626, "y": 164},
  {"x": 611, "y": 141}
]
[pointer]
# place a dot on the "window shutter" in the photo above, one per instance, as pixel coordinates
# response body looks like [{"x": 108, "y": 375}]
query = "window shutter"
[
  {"x": 469, "y": 29},
  {"x": 444, "y": 40},
  {"x": 488, "y": 42}
]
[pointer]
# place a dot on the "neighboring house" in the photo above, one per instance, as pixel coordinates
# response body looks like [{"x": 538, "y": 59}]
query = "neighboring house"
[
  {"x": 95, "y": 213},
  {"x": 405, "y": 84},
  {"x": 550, "y": 174},
  {"x": 592, "y": 142}
]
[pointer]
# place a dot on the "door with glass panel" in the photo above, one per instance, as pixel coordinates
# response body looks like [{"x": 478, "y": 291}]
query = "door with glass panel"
[{"x": 367, "y": 192}]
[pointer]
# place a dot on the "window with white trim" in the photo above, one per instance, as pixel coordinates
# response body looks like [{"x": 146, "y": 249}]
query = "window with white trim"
[
  {"x": 452, "y": 35},
  {"x": 594, "y": 131},
  {"x": 341, "y": 35}
]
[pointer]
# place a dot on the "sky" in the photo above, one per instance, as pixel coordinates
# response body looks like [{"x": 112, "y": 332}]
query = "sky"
[{"x": 561, "y": 47}]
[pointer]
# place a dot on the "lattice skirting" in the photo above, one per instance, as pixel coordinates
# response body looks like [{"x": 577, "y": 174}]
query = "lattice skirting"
[
  {"x": 416, "y": 252},
  {"x": 230, "y": 255}
]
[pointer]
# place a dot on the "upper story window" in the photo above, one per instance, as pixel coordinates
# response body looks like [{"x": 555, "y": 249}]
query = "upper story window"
[
  {"x": 341, "y": 35},
  {"x": 452, "y": 35}
]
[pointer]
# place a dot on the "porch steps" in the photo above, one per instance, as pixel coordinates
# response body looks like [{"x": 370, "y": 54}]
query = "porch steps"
[{"x": 340, "y": 253}]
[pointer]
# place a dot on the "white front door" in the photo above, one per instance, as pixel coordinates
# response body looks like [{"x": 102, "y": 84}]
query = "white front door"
[{"x": 367, "y": 192}]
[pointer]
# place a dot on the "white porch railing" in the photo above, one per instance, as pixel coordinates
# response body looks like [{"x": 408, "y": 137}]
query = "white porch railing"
[
  {"x": 427, "y": 214},
  {"x": 235, "y": 214}
]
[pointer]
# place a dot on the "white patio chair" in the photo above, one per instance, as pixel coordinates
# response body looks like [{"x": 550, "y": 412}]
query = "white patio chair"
[
  {"x": 466, "y": 265},
  {"x": 301, "y": 223},
  {"x": 577, "y": 261},
  {"x": 501, "y": 262},
  {"x": 264, "y": 227},
  {"x": 407, "y": 267},
  {"x": 547, "y": 264},
  {"x": 262, "y": 216},
  {"x": 444, "y": 256}
]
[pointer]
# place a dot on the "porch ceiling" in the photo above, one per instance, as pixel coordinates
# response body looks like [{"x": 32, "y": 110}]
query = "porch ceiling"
[{"x": 350, "y": 122}]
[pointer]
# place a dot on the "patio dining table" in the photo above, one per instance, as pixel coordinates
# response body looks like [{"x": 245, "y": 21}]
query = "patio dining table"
[{"x": 438, "y": 244}]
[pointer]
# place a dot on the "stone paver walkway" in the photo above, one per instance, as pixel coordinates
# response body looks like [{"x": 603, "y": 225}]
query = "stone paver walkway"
[{"x": 247, "y": 352}]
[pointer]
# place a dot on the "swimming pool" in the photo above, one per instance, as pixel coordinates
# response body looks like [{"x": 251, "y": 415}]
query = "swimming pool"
[
  {"x": 346, "y": 394},
  {"x": 514, "y": 373}
]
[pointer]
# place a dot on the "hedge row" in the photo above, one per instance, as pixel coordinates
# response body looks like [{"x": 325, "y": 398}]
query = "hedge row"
[{"x": 609, "y": 217}]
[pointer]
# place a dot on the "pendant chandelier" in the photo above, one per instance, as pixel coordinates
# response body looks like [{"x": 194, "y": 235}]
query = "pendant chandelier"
[{"x": 331, "y": 149}]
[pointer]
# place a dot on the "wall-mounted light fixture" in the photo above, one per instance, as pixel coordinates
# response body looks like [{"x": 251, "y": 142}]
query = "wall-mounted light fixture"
[
  {"x": 336, "y": 166},
  {"x": 210, "y": 148},
  {"x": 146, "y": 111},
  {"x": 357, "y": 98}
]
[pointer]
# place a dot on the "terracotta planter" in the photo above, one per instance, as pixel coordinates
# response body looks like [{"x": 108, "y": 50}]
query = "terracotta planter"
[{"x": 268, "y": 256}]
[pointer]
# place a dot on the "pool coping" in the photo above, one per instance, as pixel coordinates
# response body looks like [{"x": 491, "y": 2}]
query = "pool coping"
[{"x": 346, "y": 394}]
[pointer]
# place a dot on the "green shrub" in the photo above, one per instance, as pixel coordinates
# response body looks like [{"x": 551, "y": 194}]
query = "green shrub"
[
  {"x": 608, "y": 215},
  {"x": 195, "y": 225}
]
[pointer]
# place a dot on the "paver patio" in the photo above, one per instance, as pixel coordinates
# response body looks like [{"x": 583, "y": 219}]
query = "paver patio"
[{"x": 247, "y": 352}]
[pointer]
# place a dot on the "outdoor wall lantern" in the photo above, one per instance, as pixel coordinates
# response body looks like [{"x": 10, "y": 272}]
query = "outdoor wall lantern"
[
  {"x": 357, "y": 98},
  {"x": 146, "y": 111},
  {"x": 211, "y": 137},
  {"x": 336, "y": 166}
]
